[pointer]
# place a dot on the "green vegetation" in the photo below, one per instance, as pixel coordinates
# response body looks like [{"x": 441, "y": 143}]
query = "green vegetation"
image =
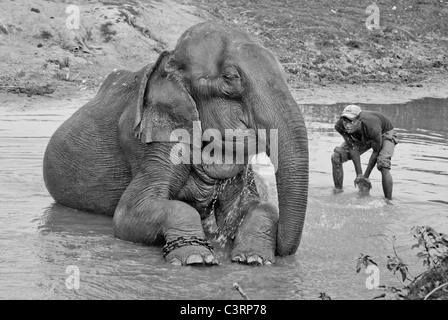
[
  {"x": 325, "y": 41},
  {"x": 106, "y": 32},
  {"x": 432, "y": 284}
]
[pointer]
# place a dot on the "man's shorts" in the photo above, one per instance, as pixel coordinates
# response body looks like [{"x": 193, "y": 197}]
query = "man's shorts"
[{"x": 389, "y": 138}]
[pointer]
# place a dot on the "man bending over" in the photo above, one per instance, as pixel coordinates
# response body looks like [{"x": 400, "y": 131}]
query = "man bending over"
[{"x": 362, "y": 130}]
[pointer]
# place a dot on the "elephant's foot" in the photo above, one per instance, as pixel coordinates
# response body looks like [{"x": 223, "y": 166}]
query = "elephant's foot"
[
  {"x": 252, "y": 256},
  {"x": 256, "y": 237},
  {"x": 179, "y": 253}
]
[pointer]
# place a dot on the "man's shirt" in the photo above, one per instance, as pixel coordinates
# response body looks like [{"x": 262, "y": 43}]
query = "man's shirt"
[{"x": 373, "y": 125}]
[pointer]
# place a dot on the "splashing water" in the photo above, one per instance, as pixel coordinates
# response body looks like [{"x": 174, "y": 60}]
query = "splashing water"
[
  {"x": 234, "y": 217},
  {"x": 41, "y": 239}
]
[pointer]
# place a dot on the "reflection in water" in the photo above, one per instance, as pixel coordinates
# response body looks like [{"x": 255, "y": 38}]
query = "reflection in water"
[
  {"x": 421, "y": 156},
  {"x": 426, "y": 114},
  {"x": 41, "y": 239},
  {"x": 418, "y": 122},
  {"x": 58, "y": 218}
]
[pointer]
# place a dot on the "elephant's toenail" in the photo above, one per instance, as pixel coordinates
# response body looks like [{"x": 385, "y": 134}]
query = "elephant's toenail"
[
  {"x": 209, "y": 259},
  {"x": 256, "y": 260},
  {"x": 194, "y": 258},
  {"x": 268, "y": 262},
  {"x": 176, "y": 262},
  {"x": 238, "y": 258}
]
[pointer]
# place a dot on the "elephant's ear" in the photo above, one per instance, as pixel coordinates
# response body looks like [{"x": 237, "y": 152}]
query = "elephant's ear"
[{"x": 164, "y": 105}]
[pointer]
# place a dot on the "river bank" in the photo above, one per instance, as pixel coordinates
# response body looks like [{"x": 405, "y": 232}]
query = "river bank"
[{"x": 384, "y": 93}]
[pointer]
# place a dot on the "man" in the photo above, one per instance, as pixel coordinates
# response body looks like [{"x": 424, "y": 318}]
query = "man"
[{"x": 361, "y": 131}]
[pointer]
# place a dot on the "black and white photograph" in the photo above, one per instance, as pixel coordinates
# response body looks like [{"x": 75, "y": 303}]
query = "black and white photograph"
[{"x": 213, "y": 152}]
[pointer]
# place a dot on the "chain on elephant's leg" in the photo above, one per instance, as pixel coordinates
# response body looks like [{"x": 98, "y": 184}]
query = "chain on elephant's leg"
[
  {"x": 151, "y": 221},
  {"x": 185, "y": 239}
]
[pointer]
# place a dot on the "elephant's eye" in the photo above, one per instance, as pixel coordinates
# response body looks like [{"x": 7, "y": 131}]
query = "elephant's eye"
[
  {"x": 229, "y": 77},
  {"x": 231, "y": 85},
  {"x": 230, "y": 74}
]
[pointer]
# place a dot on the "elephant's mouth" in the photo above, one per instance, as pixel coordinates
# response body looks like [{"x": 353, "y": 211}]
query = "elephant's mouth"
[
  {"x": 223, "y": 171},
  {"x": 224, "y": 161},
  {"x": 220, "y": 170}
]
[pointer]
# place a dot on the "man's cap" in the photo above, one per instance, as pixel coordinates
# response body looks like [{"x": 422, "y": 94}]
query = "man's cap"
[{"x": 351, "y": 111}]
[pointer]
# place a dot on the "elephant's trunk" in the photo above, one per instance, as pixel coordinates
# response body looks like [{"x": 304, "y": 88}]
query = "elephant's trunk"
[{"x": 291, "y": 176}]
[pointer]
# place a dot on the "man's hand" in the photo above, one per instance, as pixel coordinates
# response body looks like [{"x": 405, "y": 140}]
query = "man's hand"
[
  {"x": 358, "y": 178},
  {"x": 363, "y": 183}
]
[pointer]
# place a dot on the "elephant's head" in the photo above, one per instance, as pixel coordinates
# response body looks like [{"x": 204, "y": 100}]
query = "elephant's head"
[{"x": 221, "y": 77}]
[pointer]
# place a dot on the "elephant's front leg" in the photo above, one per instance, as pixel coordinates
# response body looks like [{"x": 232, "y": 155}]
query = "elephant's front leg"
[
  {"x": 146, "y": 215},
  {"x": 255, "y": 239},
  {"x": 255, "y": 233}
]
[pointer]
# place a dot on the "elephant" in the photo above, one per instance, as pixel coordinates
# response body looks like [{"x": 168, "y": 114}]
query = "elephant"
[{"x": 114, "y": 155}]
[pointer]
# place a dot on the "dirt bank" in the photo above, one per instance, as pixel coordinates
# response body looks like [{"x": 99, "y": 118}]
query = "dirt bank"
[
  {"x": 381, "y": 93},
  {"x": 367, "y": 93},
  {"x": 47, "y": 51},
  {"x": 329, "y": 59}
]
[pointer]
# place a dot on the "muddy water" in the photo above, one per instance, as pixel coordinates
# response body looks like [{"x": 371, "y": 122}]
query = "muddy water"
[{"x": 39, "y": 240}]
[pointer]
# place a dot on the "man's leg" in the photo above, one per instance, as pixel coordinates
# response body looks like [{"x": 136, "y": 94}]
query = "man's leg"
[
  {"x": 387, "y": 183},
  {"x": 384, "y": 165},
  {"x": 339, "y": 156}
]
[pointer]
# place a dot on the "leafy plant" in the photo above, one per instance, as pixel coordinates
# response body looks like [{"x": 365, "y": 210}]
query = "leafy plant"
[
  {"x": 434, "y": 245},
  {"x": 88, "y": 33},
  {"x": 324, "y": 296},
  {"x": 431, "y": 283},
  {"x": 44, "y": 34},
  {"x": 106, "y": 32},
  {"x": 364, "y": 260}
]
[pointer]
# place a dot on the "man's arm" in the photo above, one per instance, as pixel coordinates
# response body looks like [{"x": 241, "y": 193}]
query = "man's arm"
[
  {"x": 354, "y": 154},
  {"x": 376, "y": 147},
  {"x": 353, "y": 151}
]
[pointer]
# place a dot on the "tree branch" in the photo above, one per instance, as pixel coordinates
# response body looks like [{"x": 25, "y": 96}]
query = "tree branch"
[{"x": 438, "y": 288}]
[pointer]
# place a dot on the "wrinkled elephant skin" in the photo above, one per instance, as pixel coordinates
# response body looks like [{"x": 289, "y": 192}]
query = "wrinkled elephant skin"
[{"x": 116, "y": 155}]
